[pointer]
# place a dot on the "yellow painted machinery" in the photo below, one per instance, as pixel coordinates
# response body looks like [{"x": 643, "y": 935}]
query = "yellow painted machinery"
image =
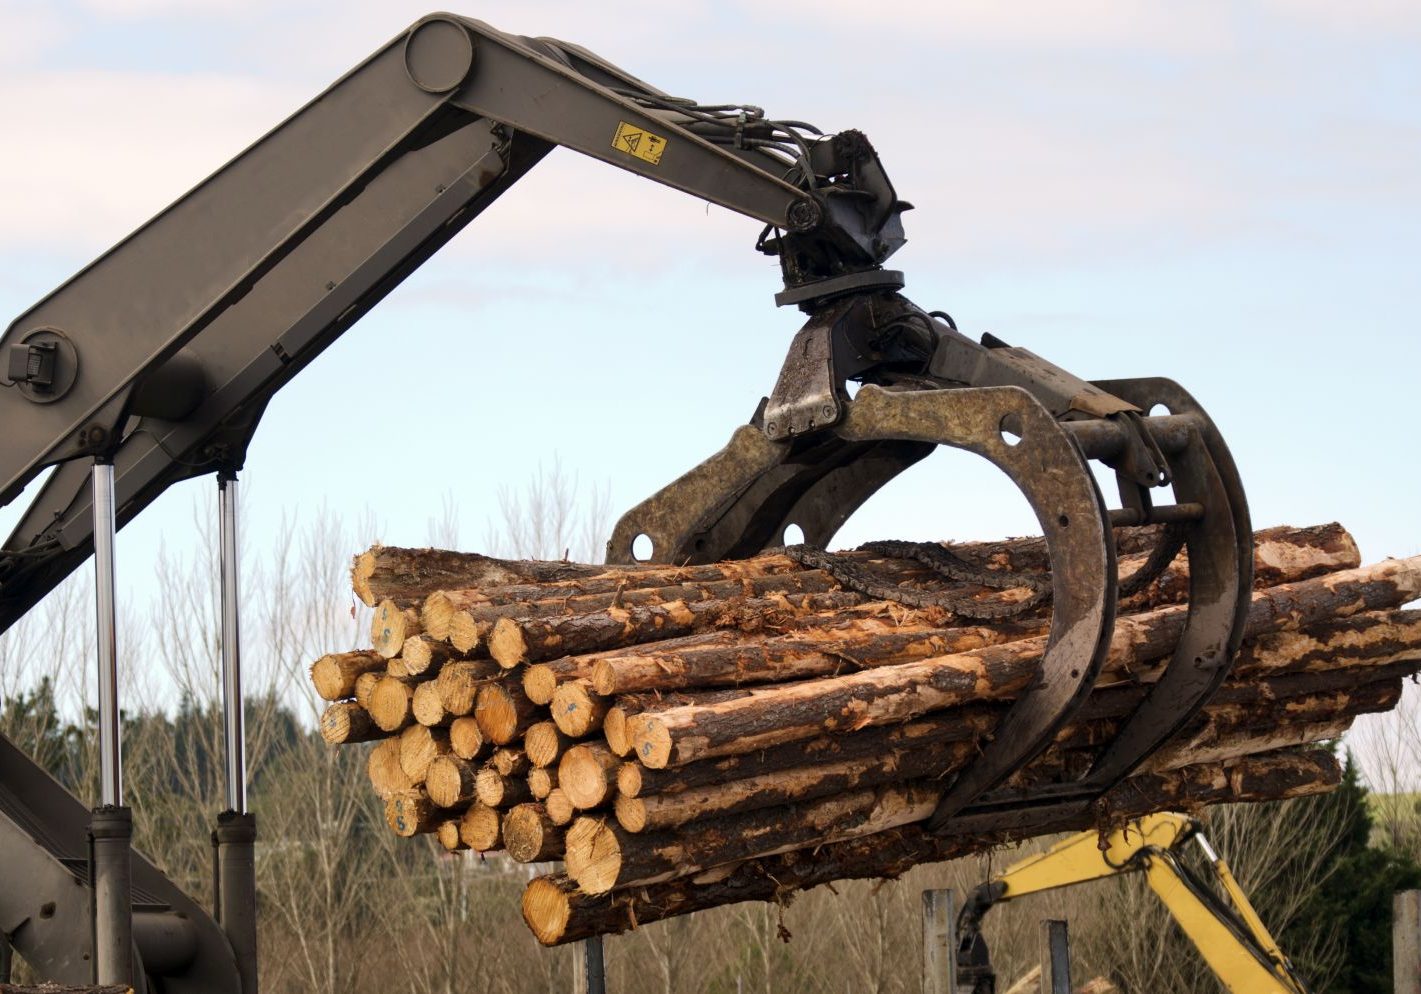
[{"x": 1214, "y": 913}]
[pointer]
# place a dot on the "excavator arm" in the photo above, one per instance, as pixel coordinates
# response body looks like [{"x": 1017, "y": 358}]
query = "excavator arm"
[{"x": 1221, "y": 922}]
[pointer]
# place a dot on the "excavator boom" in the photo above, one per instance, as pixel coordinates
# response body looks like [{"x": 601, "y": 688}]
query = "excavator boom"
[{"x": 1221, "y": 922}]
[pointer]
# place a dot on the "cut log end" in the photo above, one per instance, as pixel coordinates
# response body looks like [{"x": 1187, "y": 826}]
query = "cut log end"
[
  {"x": 539, "y": 683},
  {"x": 507, "y": 645},
  {"x": 448, "y": 833},
  {"x": 346, "y": 722},
  {"x": 480, "y": 828},
  {"x": 559, "y": 808},
  {"x": 651, "y": 742},
  {"x": 466, "y": 739},
  {"x": 547, "y": 909},
  {"x": 451, "y": 781},
  {"x": 334, "y": 675},
  {"x": 593, "y": 855},
  {"x": 529, "y": 836},
  {"x": 577, "y": 711},
  {"x": 391, "y": 704},
  {"x": 585, "y": 773},
  {"x": 543, "y": 743},
  {"x": 631, "y": 813},
  {"x": 390, "y": 626}
]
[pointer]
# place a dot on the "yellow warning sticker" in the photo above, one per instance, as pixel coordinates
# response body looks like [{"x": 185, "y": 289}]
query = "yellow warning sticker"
[{"x": 639, "y": 142}]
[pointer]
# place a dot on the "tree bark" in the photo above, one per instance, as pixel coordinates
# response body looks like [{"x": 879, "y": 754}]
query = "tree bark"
[
  {"x": 514, "y": 642},
  {"x": 558, "y": 912}
]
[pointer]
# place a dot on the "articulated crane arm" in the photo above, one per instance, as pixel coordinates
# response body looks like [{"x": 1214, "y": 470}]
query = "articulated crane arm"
[
  {"x": 163, "y": 354},
  {"x": 1226, "y": 930}
]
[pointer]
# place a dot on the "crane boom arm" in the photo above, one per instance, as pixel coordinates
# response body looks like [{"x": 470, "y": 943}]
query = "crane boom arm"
[{"x": 162, "y": 354}]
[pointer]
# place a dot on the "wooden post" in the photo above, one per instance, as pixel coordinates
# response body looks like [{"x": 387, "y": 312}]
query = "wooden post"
[
  {"x": 939, "y": 945},
  {"x": 1055, "y": 957},
  {"x": 1406, "y": 941}
]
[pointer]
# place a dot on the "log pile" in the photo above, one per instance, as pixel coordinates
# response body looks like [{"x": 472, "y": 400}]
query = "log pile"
[{"x": 686, "y": 737}]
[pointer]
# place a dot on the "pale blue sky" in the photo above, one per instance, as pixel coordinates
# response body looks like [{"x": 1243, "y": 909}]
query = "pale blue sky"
[{"x": 1228, "y": 194}]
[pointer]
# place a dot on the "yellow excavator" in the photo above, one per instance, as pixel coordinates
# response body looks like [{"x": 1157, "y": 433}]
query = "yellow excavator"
[{"x": 1219, "y": 920}]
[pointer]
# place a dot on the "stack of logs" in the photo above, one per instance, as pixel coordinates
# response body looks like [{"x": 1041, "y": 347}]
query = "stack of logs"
[{"x": 686, "y": 737}]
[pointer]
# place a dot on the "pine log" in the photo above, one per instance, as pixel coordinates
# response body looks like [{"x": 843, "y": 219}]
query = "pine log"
[
  {"x": 346, "y": 722},
  {"x": 587, "y": 773},
  {"x": 504, "y": 712},
  {"x": 390, "y": 626},
  {"x": 498, "y": 791},
  {"x": 424, "y": 655},
  {"x": 529, "y": 836},
  {"x": 576, "y": 710},
  {"x": 419, "y": 746},
  {"x": 1282, "y": 555},
  {"x": 540, "y": 680},
  {"x": 365, "y": 686},
  {"x": 459, "y": 684},
  {"x": 411, "y": 813},
  {"x": 480, "y": 828},
  {"x": 448, "y": 834},
  {"x": 1255, "y": 723},
  {"x": 514, "y": 642},
  {"x": 600, "y": 856},
  {"x": 559, "y": 808},
  {"x": 544, "y": 743},
  {"x": 466, "y": 740},
  {"x": 615, "y": 730},
  {"x": 391, "y": 703},
  {"x": 541, "y": 781},
  {"x": 383, "y": 766},
  {"x": 451, "y": 781},
  {"x": 334, "y": 674},
  {"x": 576, "y": 915},
  {"x": 1379, "y": 639},
  {"x": 407, "y": 576},
  {"x": 395, "y": 667},
  {"x": 509, "y": 762},
  {"x": 774, "y": 715},
  {"x": 427, "y": 705}
]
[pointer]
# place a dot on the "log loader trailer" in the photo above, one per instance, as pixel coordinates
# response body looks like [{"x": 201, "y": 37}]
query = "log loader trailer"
[{"x": 155, "y": 363}]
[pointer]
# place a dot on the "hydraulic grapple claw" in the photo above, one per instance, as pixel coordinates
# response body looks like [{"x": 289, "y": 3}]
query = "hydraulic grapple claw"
[{"x": 1042, "y": 427}]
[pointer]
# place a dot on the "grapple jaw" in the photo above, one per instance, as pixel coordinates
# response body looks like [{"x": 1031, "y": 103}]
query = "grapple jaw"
[{"x": 1041, "y": 427}]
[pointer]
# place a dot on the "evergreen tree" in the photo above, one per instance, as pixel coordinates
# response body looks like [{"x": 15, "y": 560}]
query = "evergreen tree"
[{"x": 1354, "y": 897}]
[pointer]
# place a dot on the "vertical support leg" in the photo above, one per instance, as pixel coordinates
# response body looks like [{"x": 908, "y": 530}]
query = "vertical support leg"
[
  {"x": 588, "y": 975},
  {"x": 236, "y": 827},
  {"x": 111, "y": 824},
  {"x": 1055, "y": 957},
  {"x": 1406, "y": 941},
  {"x": 7, "y": 958},
  {"x": 939, "y": 945}
]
